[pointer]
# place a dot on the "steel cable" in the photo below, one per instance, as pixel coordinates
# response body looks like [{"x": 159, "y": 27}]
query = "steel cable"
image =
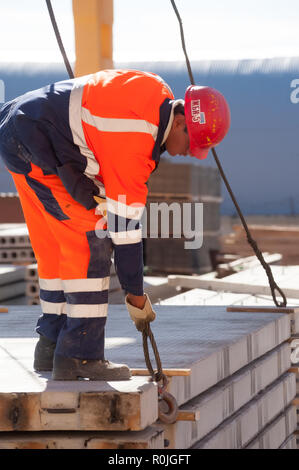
[{"x": 251, "y": 241}]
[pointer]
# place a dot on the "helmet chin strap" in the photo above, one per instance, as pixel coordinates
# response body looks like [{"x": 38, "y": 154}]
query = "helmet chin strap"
[{"x": 273, "y": 286}]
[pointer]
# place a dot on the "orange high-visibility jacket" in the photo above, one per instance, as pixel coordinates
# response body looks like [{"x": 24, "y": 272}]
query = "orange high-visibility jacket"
[{"x": 102, "y": 134}]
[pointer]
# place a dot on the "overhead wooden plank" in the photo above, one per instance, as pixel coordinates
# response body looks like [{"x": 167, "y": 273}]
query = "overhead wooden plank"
[
  {"x": 261, "y": 309},
  {"x": 150, "y": 438}
]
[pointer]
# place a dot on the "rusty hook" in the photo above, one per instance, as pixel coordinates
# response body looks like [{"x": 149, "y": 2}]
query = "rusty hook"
[{"x": 168, "y": 408}]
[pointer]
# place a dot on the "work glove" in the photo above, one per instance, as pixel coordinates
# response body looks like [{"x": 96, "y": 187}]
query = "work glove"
[
  {"x": 102, "y": 206},
  {"x": 141, "y": 316}
]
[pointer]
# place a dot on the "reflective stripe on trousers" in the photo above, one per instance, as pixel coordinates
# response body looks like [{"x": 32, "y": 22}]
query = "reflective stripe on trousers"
[{"x": 73, "y": 265}]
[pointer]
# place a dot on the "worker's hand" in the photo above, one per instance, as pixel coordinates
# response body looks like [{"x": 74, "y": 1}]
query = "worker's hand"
[
  {"x": 101, "y": 208},
  {"x": 136, "y": 300},
  {"x": 140, "y": 315}
]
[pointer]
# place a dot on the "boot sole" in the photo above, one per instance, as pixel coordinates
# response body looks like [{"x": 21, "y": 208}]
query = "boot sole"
[
  {"x": 77, "y": 375},
  {"x": 41, "y": 368}
]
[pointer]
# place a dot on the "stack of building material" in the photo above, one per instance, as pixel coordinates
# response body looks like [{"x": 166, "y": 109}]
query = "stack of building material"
[
  {"x": 10, "y": 209},
  {"x": 32, "y": 284},
  {"x": 224, "y": 269},
  {"x": 12, "y": 282},
  {"x": 271, "y": 238},
  {"x": 177, "y": 185},
  {"x": 227, "y": 370},
  {"x": 15, "y": 245},
  {"x": 242, "y": 290}
]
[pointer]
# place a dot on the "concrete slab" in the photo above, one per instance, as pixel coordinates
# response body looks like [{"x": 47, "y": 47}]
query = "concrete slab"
[
  {"x": 150, "y": 438},
  {"x": 290, "y": 443},
  {"x": 211, "y": 297},
  {"x": 241, "y": 428},
  {"x": 10, "y": 274},
  {"x": 10, "y": 291},
  {"x": 14, "y": 235},
  {"x": 30, "y": 401},
  {"x": 213, "y": 343},
  {"x": 224, "y": 399},
  {"x": 250, "y": 281},
  {"x": 277, "y": 433}
]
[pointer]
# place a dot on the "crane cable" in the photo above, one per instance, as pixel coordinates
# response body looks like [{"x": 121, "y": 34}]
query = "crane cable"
[
  {"x": 59, "y": 40},
  {"x": 167, "y": 405},
  {"x": 273, "y": 286}
]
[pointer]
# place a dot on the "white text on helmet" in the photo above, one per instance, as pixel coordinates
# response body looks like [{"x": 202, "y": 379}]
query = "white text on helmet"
[{"x": 197, "y": 115}]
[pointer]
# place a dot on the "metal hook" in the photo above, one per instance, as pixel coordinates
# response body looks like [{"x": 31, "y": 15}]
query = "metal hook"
[{"x": 168, "y": 408}]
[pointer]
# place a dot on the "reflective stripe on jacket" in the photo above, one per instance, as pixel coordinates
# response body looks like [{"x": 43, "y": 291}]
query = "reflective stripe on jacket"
[{"x": 125, "y": 118}]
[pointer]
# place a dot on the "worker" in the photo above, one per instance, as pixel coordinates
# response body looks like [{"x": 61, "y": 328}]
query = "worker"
[{"x": 80, "y": 152}]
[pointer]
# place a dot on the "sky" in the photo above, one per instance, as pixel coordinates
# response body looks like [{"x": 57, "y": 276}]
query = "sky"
[{"x": 149, "y": 31}]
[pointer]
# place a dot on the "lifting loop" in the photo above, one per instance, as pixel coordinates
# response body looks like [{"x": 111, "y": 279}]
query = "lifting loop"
[
  {"x": 167, "y": 406},
  {"x": 168, "y": 416}
]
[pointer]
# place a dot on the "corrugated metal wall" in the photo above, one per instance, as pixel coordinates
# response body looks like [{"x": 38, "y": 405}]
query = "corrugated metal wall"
[{"x": 260, "y": 155}]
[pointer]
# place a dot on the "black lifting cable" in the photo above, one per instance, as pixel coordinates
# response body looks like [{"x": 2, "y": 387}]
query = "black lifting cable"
[
  {"x": 273, "y": 286},
  {"x": 58, "y": 38}
]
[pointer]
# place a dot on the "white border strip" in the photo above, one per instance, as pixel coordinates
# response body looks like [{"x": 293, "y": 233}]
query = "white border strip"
[
  {"x": 87, "y": 311},
  {"x": 75, "y": 111},
  {"x": 53, "y": 308},
  {"x": 126, "y": 238},
  {"x": 119, "y": 125},
  {"x": 50, "y": 284},
  {"x": 86, "y": 285},
  {"x": 133, "y": 212}
]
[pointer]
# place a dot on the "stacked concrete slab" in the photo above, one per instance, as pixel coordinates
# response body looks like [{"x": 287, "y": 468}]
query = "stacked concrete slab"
[
  {"x": 10, "y": 209},
  {"x": 15, "y": 245},
  {"x": 229, "y": 372},
  {"x": 285, "y": 277},
  {"x": 180, "y": 184},
  {"x": 12, "y": 282}
]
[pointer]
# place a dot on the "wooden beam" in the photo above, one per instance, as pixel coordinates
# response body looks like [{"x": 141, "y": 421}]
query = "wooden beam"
[
  {"x": 263, "y": 309},
  {"x": 3, "y": 310},
  {"x": 188, "y": 415},
  {"x": 168, "y": 372},
  {"x": 293, "y": 338},
  {"x": 93, "y": 21},
  {"x": 150, "y": 438}
]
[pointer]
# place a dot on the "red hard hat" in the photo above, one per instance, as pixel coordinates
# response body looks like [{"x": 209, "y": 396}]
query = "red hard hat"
[{"x": 207, "y": 118}]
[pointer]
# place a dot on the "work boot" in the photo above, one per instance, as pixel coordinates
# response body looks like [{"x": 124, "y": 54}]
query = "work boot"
[
  {"x": 44, "y": 354},
  {"x": 66, "y": 368}
]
